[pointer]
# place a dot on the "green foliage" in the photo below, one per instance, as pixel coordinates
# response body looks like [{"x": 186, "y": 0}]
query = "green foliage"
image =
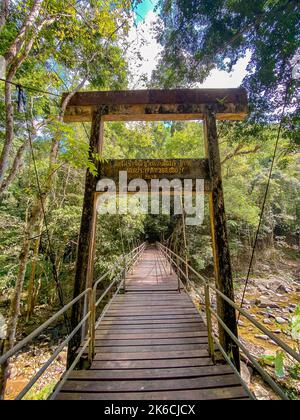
[
  {"x": 200, "y": 35},
  {"x": 42, "y": 394},
  {"x": 295, "y": 324},
  {"x": 279, "y": 366},
  {"x": 277, "y": 361}
]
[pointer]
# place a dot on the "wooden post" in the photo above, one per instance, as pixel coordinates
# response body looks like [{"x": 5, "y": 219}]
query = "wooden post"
[
  {"x": 86, "y": 242},
  {"x": 222, "y": 265}
]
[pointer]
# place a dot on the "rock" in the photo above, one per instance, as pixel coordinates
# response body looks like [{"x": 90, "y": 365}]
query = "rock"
[
  {"x": 276, "y": 331},
  {"x": 267, "y": 321},
  {"x": 241, "y": 323},
  {"x": 274, "y": 284},
  {"x": 261, "y": 337},
  {"x": 254, "y": 302},
  {"x": 285, "y": 310},
  {"x": 246, "y": 373},
  {"x": 280, "y": 320},
  {"x": 263, "y": 313},
  {"x": 13, "y": 373},
  {"x": 273, "y": 306},
  {"x": 262, "y": 305},
  {"x": 291, "y": 310},
  {"x": 282, "y": 289}
]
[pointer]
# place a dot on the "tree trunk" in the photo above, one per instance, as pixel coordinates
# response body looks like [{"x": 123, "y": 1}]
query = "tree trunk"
[
  {"x": 16, "y": 299},
  {"x": 4, "y": 13},
  {"x": 31, "y": 293},
  {"x": 9, "y": 132}
]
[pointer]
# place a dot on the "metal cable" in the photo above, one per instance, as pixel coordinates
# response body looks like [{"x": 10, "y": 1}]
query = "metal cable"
[{"x": 265, "y": 198}]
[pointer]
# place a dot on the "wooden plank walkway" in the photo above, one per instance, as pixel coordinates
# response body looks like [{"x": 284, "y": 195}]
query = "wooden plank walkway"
[{"x": 152, "y": 345}]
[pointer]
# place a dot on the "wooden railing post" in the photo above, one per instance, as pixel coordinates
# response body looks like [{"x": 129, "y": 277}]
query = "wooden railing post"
[
  {"x": 92, "y": 323},
  {"x": 124, "y": 275},
  {"x": 86, "y": 241},
  {"x": 178, "y": 272},
  {"x": 169, "y": 259},
  {"x": 211, "y": 349},
  {"x": 222, "y": 264}
]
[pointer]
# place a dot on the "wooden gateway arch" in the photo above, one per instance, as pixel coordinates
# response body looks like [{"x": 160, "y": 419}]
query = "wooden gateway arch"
[{"x": 208, "y": 105}]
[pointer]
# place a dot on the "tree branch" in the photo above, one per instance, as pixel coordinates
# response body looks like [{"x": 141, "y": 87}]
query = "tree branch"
[{"x": 239, "y": 152}]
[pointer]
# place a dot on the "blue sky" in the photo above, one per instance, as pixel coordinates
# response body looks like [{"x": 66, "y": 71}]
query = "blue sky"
[
  {"x": 144, "y": 8},
  {"x": 149, "y": 51}
]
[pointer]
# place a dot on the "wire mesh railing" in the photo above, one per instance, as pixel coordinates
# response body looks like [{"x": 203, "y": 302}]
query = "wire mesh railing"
[
  {"x": 124, "y": 263},
  {"x": 175, "y": 261}
]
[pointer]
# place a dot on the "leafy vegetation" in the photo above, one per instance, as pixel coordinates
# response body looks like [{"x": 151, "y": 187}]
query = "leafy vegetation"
[{"x": 54, "y": 46}]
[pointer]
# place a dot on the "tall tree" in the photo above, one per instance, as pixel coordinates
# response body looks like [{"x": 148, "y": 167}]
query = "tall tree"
[
  {"x": 80, "y": 45},
  {"x": 199, "y": 35}
]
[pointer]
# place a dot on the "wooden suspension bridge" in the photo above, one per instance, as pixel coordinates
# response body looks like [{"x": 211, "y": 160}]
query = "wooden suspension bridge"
[{"x": 150, "y": 341}]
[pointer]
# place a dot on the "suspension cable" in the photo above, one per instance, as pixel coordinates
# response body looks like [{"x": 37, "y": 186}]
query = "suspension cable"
[
  {"x": 40, "y": 195},
  {"x": 265, "y": 197}
]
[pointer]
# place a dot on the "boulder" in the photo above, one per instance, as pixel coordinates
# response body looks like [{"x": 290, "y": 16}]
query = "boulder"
[
  {"x": 273, "y": 306},
  {"x": 280, "y": 320},
  {"x": 282, "y": 289},
  {"x": 261, "y": 337},
  {"x": 263, "y": 313},
  {"x": 246, "y": 373}
]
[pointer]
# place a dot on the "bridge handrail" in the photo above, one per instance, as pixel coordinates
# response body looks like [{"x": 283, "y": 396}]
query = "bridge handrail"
[
  {"x": 212, "y": 338},
  {"x": 94, "y": 303},
  {"x": 91, "y": 315},
  {"x": 41, "y": 328},
  {"x": 129, "y": 260}
]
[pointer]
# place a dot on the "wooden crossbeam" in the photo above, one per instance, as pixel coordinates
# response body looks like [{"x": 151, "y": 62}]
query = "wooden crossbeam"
[
  {"x": 158, "y": 105},
  {"x": 148, "y": 169}
]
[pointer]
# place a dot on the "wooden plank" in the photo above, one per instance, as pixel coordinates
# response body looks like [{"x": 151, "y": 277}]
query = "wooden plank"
[
  {"x": 159, "y": 96},
  {"x": 154, "y": 323},
  {"x": 153, "y": 105},
  {"x": 152, "y": 363},
  {"x": 160, "y": 317},
  {"x": 142, "y": 313},
  {"x": 151, "y": 323},
  {"x": 136, "y": 310},
  {"x": 179, "y": 395},
  {"x": 149, "y": 329},
  {"x": 150, "y": 385},
  {"x": 127, "y": 335},
  {"x": 152, "y": 374},
  {"x": 164, "y": 304},
  {"x": 155, "y": 312},
  {"x": 148, "y": 355},
  {"x": 149, "y": 341},
  {"x": 154, "y": 348}
]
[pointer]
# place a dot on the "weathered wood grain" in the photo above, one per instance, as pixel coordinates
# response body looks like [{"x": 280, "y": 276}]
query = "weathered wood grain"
[
  {"x": 152, "y": 345},
  {"x": 154, "y": 105}
]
